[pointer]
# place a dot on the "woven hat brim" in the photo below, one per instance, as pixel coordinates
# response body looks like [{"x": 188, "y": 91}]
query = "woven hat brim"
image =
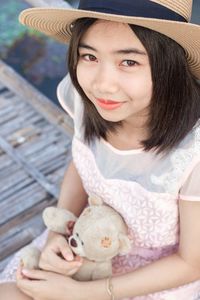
[{"x": 55, "y": 22}]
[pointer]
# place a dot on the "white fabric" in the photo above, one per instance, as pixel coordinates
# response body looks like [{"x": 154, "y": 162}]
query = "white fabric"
[
  {"x": 156, "y": 173},
  {"x": 143, "y": 187}
]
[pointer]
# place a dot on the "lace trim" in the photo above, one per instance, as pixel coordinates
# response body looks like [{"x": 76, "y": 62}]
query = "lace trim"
[
  {"x": 180, "y": 160},
  {"x": 151, "y": 217}
]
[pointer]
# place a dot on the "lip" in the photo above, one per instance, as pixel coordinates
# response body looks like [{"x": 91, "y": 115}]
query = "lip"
[{"x": 108, "y": 104}]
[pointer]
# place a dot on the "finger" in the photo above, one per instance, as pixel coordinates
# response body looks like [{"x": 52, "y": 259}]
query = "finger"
[
  {"x": 26, "y": 292},
  {"x": 64, "y": 267},
  {"x": 35, "y": 274},
  {"x": 72, "y": 272},
  {"x": 58, "y": 264},
  {"x": 19, "y": 274},
  {"x": 25, "y": 286},
  {"x": 30, "y": 287},
  {"x": 79, "y": 259},
  {"x": 61, "y": 246},
  {"x": 65, "y": 251}
]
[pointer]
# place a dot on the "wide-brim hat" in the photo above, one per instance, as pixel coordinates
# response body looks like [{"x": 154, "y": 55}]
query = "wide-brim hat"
[{"x": 169, "y": 17}]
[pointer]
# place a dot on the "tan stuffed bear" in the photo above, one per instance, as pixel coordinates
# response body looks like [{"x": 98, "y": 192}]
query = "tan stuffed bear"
[{"x": 98, "y": 235}]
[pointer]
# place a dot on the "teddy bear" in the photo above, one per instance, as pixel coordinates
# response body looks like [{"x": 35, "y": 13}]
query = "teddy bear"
[{"x": 98, "y": 235}]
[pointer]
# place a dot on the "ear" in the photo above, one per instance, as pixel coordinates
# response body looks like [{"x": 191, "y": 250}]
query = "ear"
[
  {"x": 95, "y": 200},
  {"x": 69, "y": 228},
  {"x": 125, "y": 244},
  {"x": 56, "y": 219}
]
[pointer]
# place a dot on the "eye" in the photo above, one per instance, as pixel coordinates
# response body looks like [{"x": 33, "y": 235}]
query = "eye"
[
  {"x": 129, "y": 63},
  {"x": 88, "y": 57},
  {"x": 77, "y": 234},
  {"x": 82, "y": 243}
]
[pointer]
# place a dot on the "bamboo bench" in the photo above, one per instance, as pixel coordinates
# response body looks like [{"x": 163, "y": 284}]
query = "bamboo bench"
[{"x": 35, "y": 149}]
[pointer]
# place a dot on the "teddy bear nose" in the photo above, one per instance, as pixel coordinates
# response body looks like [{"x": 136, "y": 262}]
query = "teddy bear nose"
[{"x": 73, "y": 242}]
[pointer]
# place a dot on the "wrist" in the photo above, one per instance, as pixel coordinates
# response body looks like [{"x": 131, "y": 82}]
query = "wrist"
[
  {"x": 109, "y": 288},
  {"x": 99, "y": 288}
]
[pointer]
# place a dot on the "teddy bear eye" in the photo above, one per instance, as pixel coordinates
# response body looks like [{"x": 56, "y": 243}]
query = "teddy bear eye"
[
  {"x": 82, "y": 243},
  {"x": 77, "y": 234}
]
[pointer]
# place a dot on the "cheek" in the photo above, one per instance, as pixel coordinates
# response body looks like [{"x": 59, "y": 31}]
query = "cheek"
[
  {"x": 86, "y": 75},
  {"x": 139, "y": 88},
  {"x": 84, "y": 79}
]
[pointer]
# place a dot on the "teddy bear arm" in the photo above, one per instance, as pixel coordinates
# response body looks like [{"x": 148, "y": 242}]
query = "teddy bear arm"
[
  {"x": 85, "y": 271},
  {"x": 102, "y": 270},
  {"x": 30, "y": 257}
]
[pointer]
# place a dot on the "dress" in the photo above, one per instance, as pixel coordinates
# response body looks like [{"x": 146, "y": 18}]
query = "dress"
[{"x": 143, "y": 187}]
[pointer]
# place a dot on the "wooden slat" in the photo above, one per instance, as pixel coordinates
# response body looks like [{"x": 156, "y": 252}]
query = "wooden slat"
[
  {"x": 16, "y": 156},
  {"x": 26, "y": 215},
  {"x": 21, "y": 235},
  {"x": 14, "y": 206},
  {"x": 35, "y": 142},
  {"x": 41, "y": 103},
  {"x": 17, "y": 181}
]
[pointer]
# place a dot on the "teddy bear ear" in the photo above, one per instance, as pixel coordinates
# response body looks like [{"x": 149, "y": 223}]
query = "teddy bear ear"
[
  {"x": 125, "y": 244},
  {"x": 57, "y": 219},
  {"x": 95, "y": 200}
]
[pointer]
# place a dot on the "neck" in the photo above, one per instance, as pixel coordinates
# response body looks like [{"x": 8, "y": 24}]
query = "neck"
[
  {"x": 136, "y": 127},
  {"x": 128, "y": 136}
]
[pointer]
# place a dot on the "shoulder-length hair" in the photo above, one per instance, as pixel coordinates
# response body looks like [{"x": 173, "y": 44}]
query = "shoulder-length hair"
[{"x": 175, "y": 102}]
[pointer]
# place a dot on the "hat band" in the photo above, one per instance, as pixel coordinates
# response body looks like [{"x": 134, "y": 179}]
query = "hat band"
[{"x": 132, "y": 8}]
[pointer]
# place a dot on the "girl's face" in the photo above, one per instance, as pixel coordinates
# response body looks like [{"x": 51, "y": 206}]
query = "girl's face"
[{"x": 114, "y": 72}]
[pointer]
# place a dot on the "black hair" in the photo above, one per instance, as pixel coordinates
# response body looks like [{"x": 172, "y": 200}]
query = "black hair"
[{"x": 175, "y": 102}]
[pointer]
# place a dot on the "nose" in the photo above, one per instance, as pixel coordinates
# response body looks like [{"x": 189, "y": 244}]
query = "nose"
[
  {"x": 105, "y": 81},
  {"x": 73, "y": 243}
]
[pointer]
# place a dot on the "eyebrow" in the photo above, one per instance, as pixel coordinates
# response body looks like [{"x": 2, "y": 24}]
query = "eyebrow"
[{"x": 120, "y": 51}]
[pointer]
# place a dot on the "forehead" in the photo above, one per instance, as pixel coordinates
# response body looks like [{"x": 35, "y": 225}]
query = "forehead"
[{"x": 112, "y": 35}]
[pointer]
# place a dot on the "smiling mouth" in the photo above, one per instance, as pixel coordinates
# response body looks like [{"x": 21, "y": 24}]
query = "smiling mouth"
[{"x": 108, "y": 104}]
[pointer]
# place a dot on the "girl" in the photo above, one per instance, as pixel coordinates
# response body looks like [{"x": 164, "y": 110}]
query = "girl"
[{"x": 136, "y": 109}]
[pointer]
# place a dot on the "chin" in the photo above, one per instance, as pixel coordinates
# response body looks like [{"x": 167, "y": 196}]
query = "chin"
[{"x": 111, "y": 119}]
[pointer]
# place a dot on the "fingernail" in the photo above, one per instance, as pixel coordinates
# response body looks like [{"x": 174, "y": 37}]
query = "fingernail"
[
  {"x": 80, "y": 259},
  {"x": 25, "y": 271},
  {"x": 69, "y": 256}
]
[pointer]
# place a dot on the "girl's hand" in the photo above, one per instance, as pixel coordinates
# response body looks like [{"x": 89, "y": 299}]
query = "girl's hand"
[
  {"x": 57, "y": 257},
  {"x": 42, "y": 285}
]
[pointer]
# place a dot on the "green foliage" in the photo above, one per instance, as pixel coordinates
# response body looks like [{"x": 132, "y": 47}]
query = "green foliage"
[{"x": 11, "y": 29}]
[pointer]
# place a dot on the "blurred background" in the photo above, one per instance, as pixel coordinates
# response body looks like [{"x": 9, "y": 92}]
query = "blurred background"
[
  {"x": 41, "y": 60},
  {"x": 35, "y": 135}
]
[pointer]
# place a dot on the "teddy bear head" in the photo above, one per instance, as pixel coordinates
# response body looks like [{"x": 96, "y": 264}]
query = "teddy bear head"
[{"x": 99, "y": 233}]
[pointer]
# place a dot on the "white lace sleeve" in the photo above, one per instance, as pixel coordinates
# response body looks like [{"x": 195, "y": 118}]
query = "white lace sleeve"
[
  {"x": 72, "y": 103},
  {"x": 191, "y": 187},
  {"x": 66, "y": 95}
]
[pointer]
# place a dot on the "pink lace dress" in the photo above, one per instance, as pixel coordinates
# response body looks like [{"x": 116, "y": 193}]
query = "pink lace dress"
[{"x": 143, "y": 187}]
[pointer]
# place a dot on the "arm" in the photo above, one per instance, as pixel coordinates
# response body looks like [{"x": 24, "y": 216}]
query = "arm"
[
  {"x": 175, "y": 270},
  {"x": 169, "y": 272},
  {"x": 72, "y": 194},
  {"x": 74, "y": 198}
]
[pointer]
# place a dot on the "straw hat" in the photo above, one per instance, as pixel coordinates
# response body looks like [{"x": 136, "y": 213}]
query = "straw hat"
[{"x": 169, "y": 17}]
